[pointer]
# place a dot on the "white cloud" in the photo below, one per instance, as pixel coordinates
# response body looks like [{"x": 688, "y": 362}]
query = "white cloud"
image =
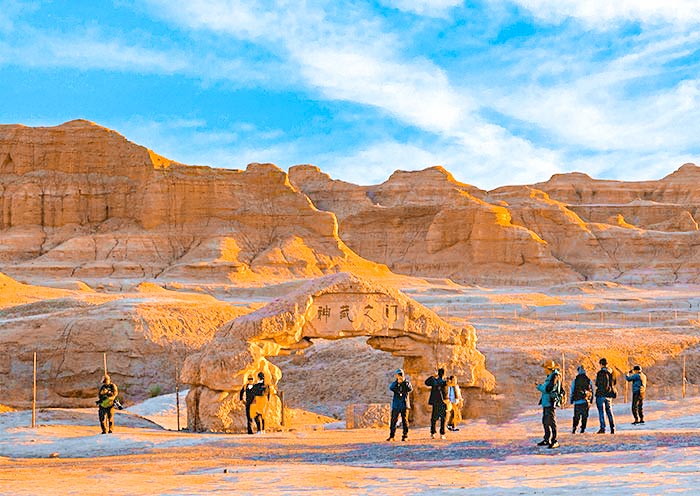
[
  {"x": 593, "y": 106},
  {"x": 606, "y": 13},
  {"x": 429, "y": 8}
]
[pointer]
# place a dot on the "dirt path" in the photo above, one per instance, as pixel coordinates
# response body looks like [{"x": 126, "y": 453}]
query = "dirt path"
[{"x": 660, "y": 457}]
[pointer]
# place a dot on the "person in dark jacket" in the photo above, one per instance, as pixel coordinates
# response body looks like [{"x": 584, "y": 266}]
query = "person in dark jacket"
[
  {"x": 438, "y": 399},
  {"x": 401, "y": 387},
  {"x": 261, "y": 397},
  {"x": 604, "y": 393},
  {"x": 639, "y": 387},
  {"x": 107, "y": 395},
  {"x": 549, "y": 400},
  {"x": 247, "y": 395},
  {"x": 581, "y": 397}
]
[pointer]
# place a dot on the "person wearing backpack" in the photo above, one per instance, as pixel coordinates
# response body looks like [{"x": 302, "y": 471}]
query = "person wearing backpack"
[
  {"x": 551, "y": 397},
  {"x": 639, "y": 387},
  {"x": 106, "y": 402},
  {"x": 581, "y": 397},
  {"x": 604, "y": 393}
]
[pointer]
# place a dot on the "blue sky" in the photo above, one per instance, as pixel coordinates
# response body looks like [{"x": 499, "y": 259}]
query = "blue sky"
[{"x": 497, "y": 91}]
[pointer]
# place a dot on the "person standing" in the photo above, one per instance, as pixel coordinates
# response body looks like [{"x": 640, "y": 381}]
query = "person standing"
[
  {"x": 107, "y": 395},
  {"x": 401, "y": 387},
  {"x": 604, "y": 393},
  {"x": 248, "y": 396},
  {"x": 550, "y": 398},
  {"x": 258, "y": 410},
  {"x": 581, "y": 397},
  {"x": 454, "y": 395},
  {"x": 639, "y": 387},
  {"x": 438, "y": 398}
]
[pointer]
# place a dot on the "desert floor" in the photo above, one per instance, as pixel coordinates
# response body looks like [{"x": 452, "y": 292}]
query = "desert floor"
[{"x": 142, "y": 458}]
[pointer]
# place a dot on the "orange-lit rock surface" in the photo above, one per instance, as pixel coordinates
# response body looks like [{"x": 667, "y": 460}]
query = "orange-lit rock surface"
[
  {"x": 145, "y": 333},
  {"x": 80, "y": 201},
  {"x": 426, "y": 223},
  {"x": 569, "y": 228},
  {"x": 330, "y": 307}
]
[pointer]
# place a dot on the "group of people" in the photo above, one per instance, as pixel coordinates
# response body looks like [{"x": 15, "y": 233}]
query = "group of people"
[
  {"x": 445, "y": 399},
  {"x": 582, "y": 393}
]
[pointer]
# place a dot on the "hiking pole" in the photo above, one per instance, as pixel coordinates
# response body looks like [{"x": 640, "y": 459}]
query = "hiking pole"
[
  {"x": 34, "y": 396},
  {"x": 684, "y": 380},
  {"x": 104, "y": 361},
  {"x": 177, "y": 395}
]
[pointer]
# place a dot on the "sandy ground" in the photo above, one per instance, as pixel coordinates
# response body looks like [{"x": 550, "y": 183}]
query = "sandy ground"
[{"x": 659, "y": 457}]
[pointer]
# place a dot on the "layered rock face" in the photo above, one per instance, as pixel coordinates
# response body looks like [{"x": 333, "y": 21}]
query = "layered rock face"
[
  {"x": 331, "y": 307},
  {"x": 427, "y": 224},
  {"x": 145, "y": 334},
  {"x": 80, "y": 201},
  {"x": 567, "y": 229}
]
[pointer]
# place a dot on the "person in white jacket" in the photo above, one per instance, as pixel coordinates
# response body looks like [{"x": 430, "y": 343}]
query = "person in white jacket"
[{"x": 454, "y": 396}]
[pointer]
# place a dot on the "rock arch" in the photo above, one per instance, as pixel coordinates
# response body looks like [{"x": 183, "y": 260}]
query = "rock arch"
[{"x": 330, "y": 307}]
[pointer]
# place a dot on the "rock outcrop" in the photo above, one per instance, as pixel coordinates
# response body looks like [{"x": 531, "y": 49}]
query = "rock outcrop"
[
  {"x": 80, "y": 201},
  {"x": 569, "y": 228},
  {"x": 145, "y": 334},
  {"x": 426, "y": 223},
  {"x": 331, "y": 307}
]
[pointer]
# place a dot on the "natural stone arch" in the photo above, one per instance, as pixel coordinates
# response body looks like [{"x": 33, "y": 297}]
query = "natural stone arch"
[{"x": 330, "y": 307}]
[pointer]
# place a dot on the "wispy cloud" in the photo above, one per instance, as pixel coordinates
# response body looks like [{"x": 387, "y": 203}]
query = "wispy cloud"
[
  {"x": 430, "y": 8},
  {"x": 605, "y": 13},
  {"x": 537, "y": 88}
]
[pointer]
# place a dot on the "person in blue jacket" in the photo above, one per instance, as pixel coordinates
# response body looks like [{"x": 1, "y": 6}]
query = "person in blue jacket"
[
  {"x": 401, "y": 387},
  {"x": 639, "y": 387},
  {"x": 551, "y": 391}
]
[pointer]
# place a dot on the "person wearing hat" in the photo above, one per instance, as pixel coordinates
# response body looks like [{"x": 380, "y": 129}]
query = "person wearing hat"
[
  {"x": 581, "y": 397},
  {"x": 107, "y": 395},
  {"x": 246, "y": 394},
  {"x": 639, "y": 387},
  {"x": 550, "y": 391},
  {"x": 604, "y": 393},
  {"x": 401, "y": 387}
]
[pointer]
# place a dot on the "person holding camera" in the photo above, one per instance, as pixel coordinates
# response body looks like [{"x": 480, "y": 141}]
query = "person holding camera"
[
  {"x": 551, "y": 393},
  {"x": 438, "y": 400},
  {"x": 604, "y": 394},
  {"x": 401, "y": 387},
  {"x": 639, "y": 387},
  {"x": 107, "y": 397}
]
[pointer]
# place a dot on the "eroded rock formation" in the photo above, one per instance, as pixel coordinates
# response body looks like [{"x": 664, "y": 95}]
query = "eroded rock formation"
[
  {"x": 569, "y": 228},
  {"x": 330, "y": 307},
  {"x": 80, "y": 201},
  {"x": 144, "y": 333}
]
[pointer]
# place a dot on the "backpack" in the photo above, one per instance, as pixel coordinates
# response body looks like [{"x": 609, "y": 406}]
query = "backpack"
[
  {"x": 582, "y": 389},
  {"x": 605, "y": 382},
  {"x": 557, "y": 394}
]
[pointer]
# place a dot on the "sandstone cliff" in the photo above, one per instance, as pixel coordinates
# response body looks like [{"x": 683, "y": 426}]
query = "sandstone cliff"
[
  {"x": 569, "y": 228},
  {"x": 80, "y": 201},
  {"x": 427, "y": 224}
]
